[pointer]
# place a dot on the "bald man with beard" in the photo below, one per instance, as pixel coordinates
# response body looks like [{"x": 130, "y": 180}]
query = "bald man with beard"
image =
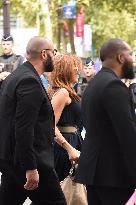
[
  {"x": 107, "y": 164},
  {"x": 27, "y": 132}
]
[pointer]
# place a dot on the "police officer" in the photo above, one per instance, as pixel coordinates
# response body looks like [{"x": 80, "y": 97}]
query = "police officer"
[
  {"x": 8, "y": 60},
  {"x": 89, "y": 71}
]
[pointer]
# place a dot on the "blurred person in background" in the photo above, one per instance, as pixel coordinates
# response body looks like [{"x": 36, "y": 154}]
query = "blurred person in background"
[
  {"x": 89, "y": 69},
  {"x": 66, "y": 106},
  {"x": 88, "y": 73},
  {"x": 9, "y": 61}
]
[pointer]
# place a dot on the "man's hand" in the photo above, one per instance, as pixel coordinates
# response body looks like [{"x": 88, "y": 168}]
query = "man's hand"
[{"x": 32, "y": 177}]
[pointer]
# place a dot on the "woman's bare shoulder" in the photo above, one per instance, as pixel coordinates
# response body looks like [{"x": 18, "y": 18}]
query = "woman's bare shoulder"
[{"x": 63, "y": 94}]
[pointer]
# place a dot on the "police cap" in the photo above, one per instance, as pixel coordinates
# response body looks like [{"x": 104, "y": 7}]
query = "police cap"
[
  {"x": 7, "y": 37},
  {"x": 89, "y": 62}
]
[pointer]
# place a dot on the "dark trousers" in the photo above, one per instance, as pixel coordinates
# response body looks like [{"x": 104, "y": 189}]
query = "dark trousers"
[
  {"x": 108, "y": 195},
  {"x": 12, "y": 190}
]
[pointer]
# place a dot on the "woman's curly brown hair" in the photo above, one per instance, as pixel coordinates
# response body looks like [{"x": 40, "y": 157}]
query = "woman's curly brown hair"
[{"x": 65, "y": 66}]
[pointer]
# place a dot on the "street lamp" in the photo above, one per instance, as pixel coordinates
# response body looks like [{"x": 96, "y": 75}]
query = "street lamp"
[{"x": 6, "y": 17}]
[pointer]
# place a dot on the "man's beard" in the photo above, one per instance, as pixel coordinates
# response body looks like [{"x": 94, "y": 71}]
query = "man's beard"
[
  {"x": 48, "y": 64},
  {"x": 128, "y": 70}
]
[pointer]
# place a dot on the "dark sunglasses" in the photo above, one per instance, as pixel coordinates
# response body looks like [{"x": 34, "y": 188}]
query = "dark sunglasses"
[{"x": 54, "y": 51}]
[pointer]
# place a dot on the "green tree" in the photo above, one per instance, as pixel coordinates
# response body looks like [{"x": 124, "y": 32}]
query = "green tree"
[
  {"x": 35, "y": 14},
  {"x": 108, "y": 18},
  {"x": 111, "y": 19}
]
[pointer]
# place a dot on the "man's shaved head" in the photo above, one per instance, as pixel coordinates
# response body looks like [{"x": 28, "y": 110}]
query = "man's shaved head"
[
  {"x": 111, "y": 48},
  {"x": 117, "y": 55},
  {"x": 40, "y": 51},
  {"x": 36, "y": 45}
]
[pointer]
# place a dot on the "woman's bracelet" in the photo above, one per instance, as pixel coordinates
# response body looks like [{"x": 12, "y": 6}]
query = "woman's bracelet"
[{"x": 62, "y": 144}]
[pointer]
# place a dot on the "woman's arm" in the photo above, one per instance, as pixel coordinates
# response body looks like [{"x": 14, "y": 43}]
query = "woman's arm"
[
  {"x": 72, "y": 152},
  {"x": 59, "y": 101}
]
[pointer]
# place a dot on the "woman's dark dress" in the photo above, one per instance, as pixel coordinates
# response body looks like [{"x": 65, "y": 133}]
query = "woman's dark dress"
[{"x": 71, "y": 116}]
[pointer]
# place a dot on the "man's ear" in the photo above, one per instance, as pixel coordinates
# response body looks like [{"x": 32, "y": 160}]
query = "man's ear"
[
  {"x": 44, "y": 55},
  {"x": 120, "y": 58}
]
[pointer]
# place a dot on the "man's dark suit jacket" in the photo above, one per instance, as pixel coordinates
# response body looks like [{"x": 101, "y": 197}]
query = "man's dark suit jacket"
[
  {"x": 26, "y": 120},
  {"x": 108, "y": 156}
]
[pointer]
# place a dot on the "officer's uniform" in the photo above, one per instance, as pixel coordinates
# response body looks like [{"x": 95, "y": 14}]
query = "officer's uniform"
[
  {"x": 10, "y": 63},
  {"x": 81, "y": 86},
  {"x": 82, "y": 82}
]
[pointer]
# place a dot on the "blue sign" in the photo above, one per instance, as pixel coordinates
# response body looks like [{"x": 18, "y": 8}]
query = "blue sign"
[{"x": 69, "y": 10}]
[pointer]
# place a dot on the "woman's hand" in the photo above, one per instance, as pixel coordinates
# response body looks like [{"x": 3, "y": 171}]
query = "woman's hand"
[{"x": 73, "y": 154}]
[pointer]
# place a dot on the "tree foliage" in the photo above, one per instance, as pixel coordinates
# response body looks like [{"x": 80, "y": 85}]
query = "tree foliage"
[
  {"x": 108, "y": 18},
  {"x": 112, "y": 19}
]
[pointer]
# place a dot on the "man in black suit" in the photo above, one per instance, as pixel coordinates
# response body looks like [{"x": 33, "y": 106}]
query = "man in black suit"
[
  {"x": 27, "y": 132},
  {"x": 107, "y": 164}
]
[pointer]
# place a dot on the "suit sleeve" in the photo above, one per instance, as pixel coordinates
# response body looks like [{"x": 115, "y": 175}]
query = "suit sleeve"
[
  {"x": 116, "y": 102},
  {"x": 29, "y": 98}
]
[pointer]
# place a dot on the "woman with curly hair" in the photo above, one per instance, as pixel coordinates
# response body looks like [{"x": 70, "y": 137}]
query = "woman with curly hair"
[{"x": 67, "y": 110}]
